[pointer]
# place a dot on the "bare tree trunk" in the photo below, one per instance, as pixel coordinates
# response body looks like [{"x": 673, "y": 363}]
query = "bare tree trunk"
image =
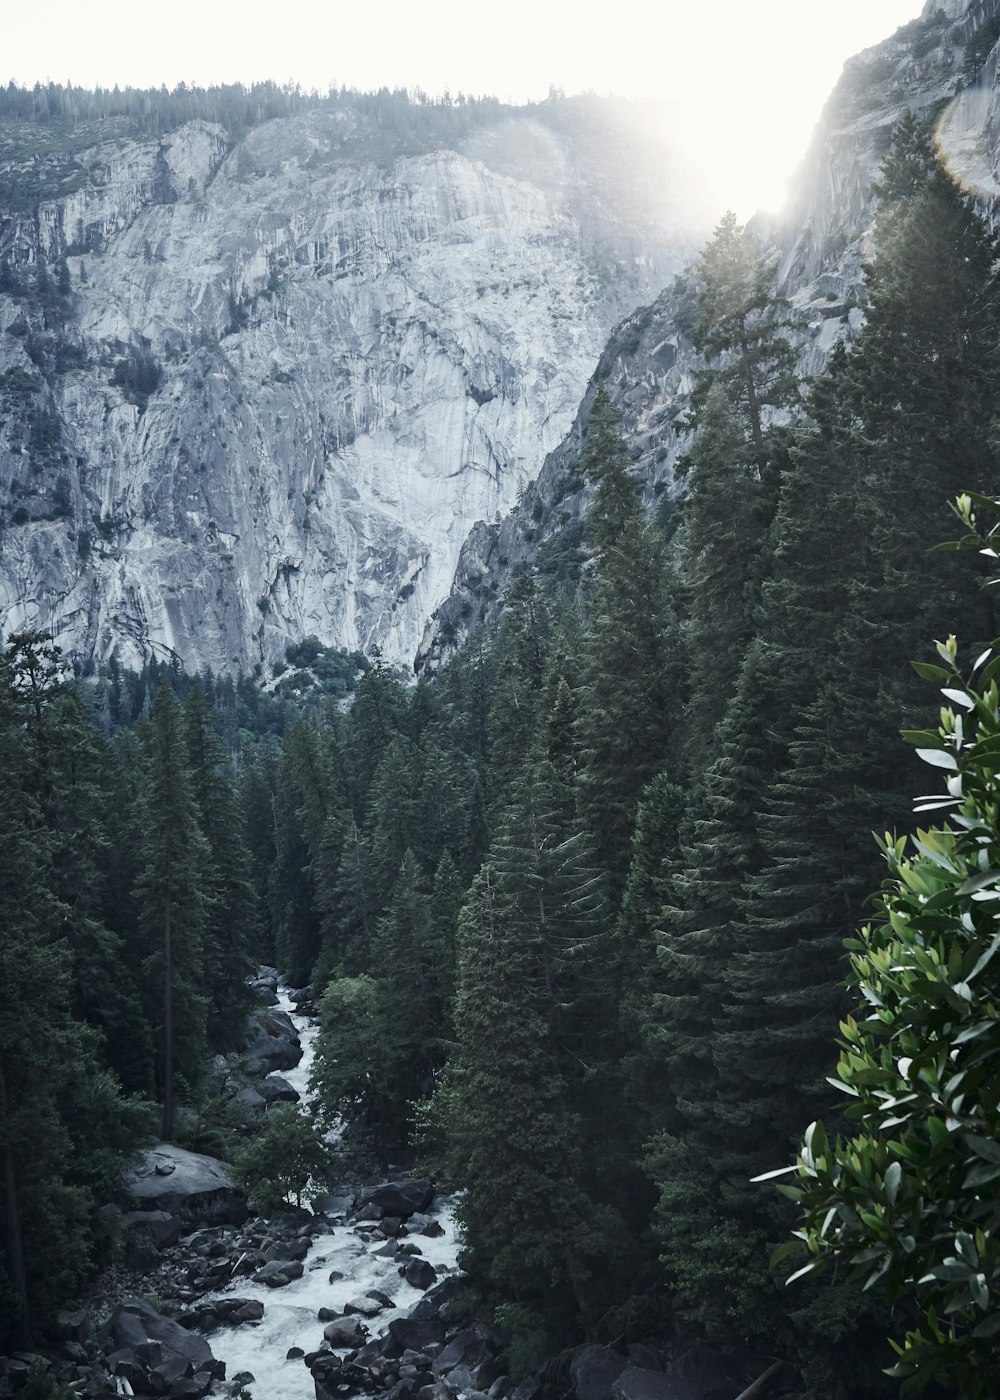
[
  {"x": 168, "y": 1028},
  {"x": 15, "y": 1247}
]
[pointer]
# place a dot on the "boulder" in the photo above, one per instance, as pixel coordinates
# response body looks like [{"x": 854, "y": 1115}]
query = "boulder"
[
  {"x": 401, "y": 1198},
  {"x": 279, "y": 1273},
  {"x": 365, "y": 1307},
  {"x": 278, "y": 1090},
  {"x": 251, "y": 1101},
  {"x": 197, "y": 1189},
  {"x": 160, "y": 1227},
  {"x": 73, "y": 1325},
  {"x": 420, "y": 1224},
  {"x": 286, "y": 1250},
  {"x": 594, "y": 1371},
  {"x": 420, "y": 1274},
  {"x": 159, "y": 1345},
  {"x": 416, "y": 1333},
  {"x": 636, "y": 1383},
  {"x": 345, "y": 1332},
  {"x": 250, "y": 1310},
  {"x": 436, "y": 1298},
  {"x": 467, "y": 1349},
  {"x": 272, "y": 1042}
]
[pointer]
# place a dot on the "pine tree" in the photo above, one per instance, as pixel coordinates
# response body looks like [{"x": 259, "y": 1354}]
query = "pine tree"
[
  {"x": 500, "y": 1109},
  {"x": 740, "y": 320},
  {"x": 230, "y": 935},
  {"x": 630, "y": 666},
  {"x": 171, "y": 898},
  {"x": 721, "y": 542}
]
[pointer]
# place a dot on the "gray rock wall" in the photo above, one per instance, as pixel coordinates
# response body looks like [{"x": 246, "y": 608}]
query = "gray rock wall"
[{"x": 361, "y": 356}]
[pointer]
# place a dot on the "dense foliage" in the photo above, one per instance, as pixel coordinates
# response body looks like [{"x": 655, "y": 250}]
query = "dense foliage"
[
  {"x": 911, "y": 1197},
  {"x": 127, "y": 927},
  {"x": 573, "y": 914}
]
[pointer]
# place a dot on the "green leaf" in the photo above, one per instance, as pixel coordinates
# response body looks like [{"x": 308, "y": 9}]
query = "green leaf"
[
  {"x": 984, "y": 1147},
  {"x": 938, "y": 758},
  {"x": 989, "y": 1327},
  {"x": 893, "y": 1176},
  {"x": 937, "y": 674},
  {"x": 785, "y": 1251},
  {"x": 978, "y": 882},
  {"x": 778, "y": 1171}
]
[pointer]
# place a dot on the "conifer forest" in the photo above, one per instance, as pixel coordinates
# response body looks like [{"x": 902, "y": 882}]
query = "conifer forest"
[{"x": 587, "y": 916}]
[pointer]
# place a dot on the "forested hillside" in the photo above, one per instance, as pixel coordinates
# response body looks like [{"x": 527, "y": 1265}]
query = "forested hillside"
[{"x": 574, "y": 912}]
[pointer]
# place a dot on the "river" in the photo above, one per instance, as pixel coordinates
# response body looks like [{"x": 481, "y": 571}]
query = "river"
[{"x": 290, "y": 1313}]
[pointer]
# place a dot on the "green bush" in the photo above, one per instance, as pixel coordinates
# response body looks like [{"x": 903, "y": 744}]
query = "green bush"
[
  {"x": 287, "y": 1161},
  {"x": 913, "y": 1199}
]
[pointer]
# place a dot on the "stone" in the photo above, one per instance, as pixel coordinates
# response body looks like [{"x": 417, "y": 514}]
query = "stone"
[
  {"x": 426, "y": 1225},
  {"x": 345, "y": 1332},
  {"x": 467, "y": 1349},
  {"x": 286, "y": 1250},
  {"x": 636, "y": 1383},
  {"x": 416, "y": 1333},
  {"x": 198, "y": 1189},
  {"x": 365, "y": 1307},
  {"x": 400, "y": 1198},
  {"x": 277, "y": 1090},
  {"x": 272, "y": 1042},
  {"x": 436, "y": 1298},
  {"x": 252, "y": 1310},
  {"x": 418, "y": 1273},
  {"x": 279, "y": 1272},
  {"x": 73, "y": 1324},
  {"x": 294, "y": 1354},
  {"x": 594, "y": 1370},
  {"x": 251, "y": 1101},
  {"x": 134, "y": 1325},
  {"x": 161, "y": 1228}
]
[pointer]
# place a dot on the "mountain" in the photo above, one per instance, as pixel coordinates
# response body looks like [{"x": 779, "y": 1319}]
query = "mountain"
[
  {"x": 944, "y": 64},
  {"x": 259, "y": 384}
]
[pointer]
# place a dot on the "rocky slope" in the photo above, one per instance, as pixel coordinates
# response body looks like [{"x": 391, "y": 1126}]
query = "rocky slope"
[
  {"x": 280, "y": 380},
  {"x": 945, "y": 62}
]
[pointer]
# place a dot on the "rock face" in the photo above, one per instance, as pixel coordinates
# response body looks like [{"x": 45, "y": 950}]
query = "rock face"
[
  {"x": 198, "y": 1189},
  {"x": 296, "y": 371},
  {"x": 819, "y": 249}
]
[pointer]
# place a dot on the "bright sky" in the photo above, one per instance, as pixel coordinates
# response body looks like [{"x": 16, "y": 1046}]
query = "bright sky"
[{"x": 746, "y": 78}]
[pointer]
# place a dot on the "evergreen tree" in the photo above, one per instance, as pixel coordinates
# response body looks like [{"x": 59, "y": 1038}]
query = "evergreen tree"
[
  {"x": 722, "y": 538},
  {"x": 171, "y": 897},
  {"x": 509, "y": 1136},
  {"x": 230, "y": 933},
  {"x": 740, "y": 321},
  {"x": 630, "y": 671}
]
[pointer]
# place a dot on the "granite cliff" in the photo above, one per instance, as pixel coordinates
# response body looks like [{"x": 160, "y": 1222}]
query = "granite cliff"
[{"x": 256, "y": 390}]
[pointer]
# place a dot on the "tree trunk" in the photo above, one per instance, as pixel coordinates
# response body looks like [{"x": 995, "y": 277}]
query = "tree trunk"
[
  {"x": 168, "y": 1028},
  {"x": 15, "y": 1248}
]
